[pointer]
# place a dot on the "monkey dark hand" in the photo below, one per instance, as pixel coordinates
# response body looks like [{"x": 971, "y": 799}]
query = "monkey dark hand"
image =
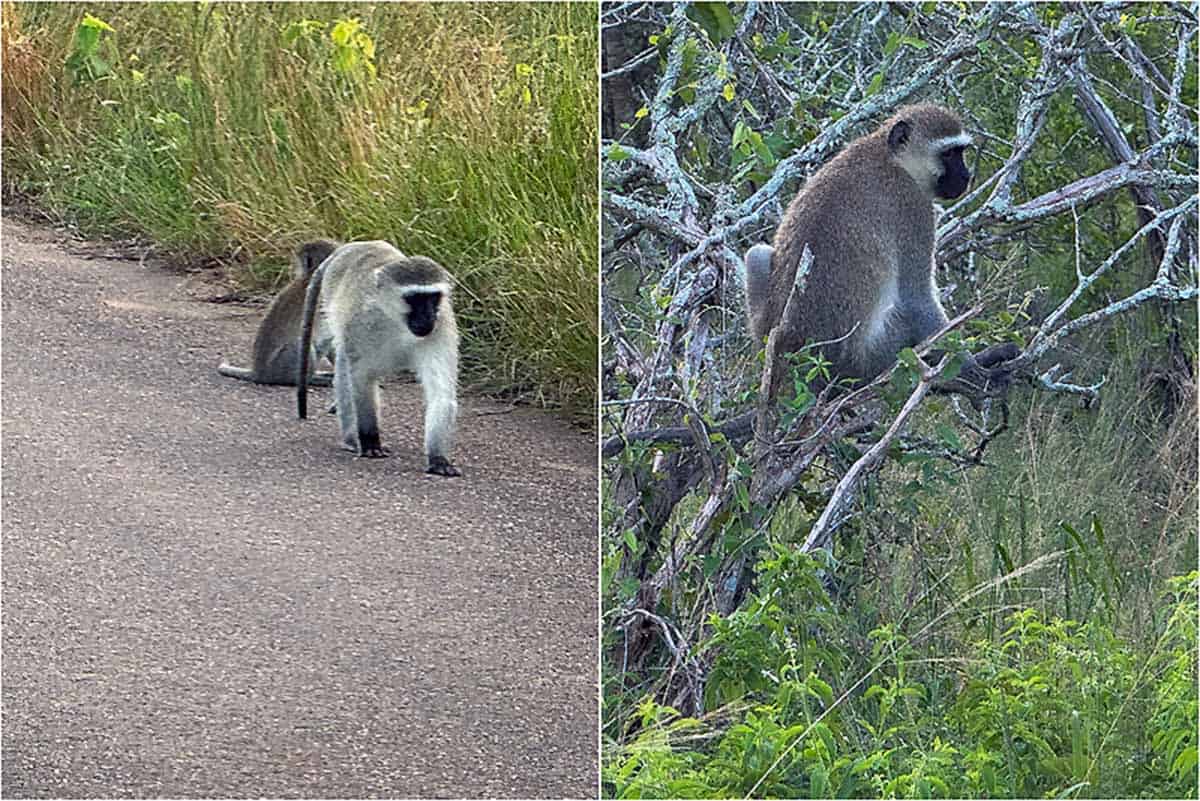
[
  {"x": 983, "y": 376},
  {"x": 440, "y": 466},
  {"x": 998, "y": 354},
  {"x": 374, "y": 452}
]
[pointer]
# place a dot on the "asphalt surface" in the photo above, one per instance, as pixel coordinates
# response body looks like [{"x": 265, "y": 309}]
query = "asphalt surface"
[{"x": 204, "y": 596}]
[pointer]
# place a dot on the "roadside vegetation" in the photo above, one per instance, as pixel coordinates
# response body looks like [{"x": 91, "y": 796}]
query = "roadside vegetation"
[{"x": 234, "y": 132}]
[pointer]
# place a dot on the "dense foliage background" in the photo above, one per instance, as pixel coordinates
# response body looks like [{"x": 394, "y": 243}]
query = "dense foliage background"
[
  {"x": 236, "y": 131},
  {"x": 1005, "y": 606}
]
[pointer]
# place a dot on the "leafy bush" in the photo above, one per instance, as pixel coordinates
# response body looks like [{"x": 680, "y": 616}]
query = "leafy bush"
[{"x": 1049, "y": 708}]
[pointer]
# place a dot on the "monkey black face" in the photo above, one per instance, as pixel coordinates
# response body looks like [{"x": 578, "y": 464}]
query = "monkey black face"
[
  {"x": 422, "y": 311},
  {"x": 954, "y": 173}
]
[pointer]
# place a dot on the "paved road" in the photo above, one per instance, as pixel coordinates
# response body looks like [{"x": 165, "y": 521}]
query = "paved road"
[{"x": 203, "y": 596}]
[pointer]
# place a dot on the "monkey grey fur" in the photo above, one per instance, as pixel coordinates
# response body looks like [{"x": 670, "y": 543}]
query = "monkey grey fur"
[
  {"x": 383, "y": 312},
  {"x": 276, "y": 356},
  {"x": 868, "y": 218}
]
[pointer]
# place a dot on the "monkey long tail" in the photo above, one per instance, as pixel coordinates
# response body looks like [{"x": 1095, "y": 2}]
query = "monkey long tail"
[
  {"x": 306, "y": 328},
  {"x": 733, "y": 429}
]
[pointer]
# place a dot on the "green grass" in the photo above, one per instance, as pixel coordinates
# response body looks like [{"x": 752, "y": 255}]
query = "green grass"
[
  {"x": 463, "y": 132},
  {"x": 1113, "y": 486}
]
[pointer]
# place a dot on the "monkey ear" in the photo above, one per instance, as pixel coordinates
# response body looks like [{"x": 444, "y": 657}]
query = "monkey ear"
[{"x": 898, "y": 136}]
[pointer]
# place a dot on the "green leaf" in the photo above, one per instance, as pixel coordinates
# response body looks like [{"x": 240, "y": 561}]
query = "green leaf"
[
  {"x": 765, "y": 156},
  {"x": 86, "y": 40},
  {"x": 949, "y": 436},
  {"x": 908, "y": 357},
  {"x": 631, "y": 540},
  {"x": 715, "y": 19},
  {"x": 875, "y": 85},
  {"x": 740, "y": 132},
  {"x": 1005, "y": 559},
  {"x": 953, "y": 367},
  {"x": 1185, "y": 763},
  {"x": 98, "y": 66},
  {"x": 617, "y": 153},
  {"x": 818, "y": 782},
  {"x": 343, "y": 30},
  {"x": 728, "y": 93},
  {"x": 743, "y": 496},
  {"x": 822, "y": 689},
  {"x": 1067, "y": 527},
  {"x": 344, "y": 59},
  {"x": 304, "y": 27}
]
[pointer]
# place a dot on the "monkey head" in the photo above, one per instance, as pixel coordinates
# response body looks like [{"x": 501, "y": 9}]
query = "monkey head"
[
  {"x": 928, "y": 141},
  {"x": 423, "y": 284}
]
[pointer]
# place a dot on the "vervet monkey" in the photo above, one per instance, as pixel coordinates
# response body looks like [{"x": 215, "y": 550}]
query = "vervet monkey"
[
  {"x": 383, "y": 312},
  {"x": 276, "y": 357},
  {"x": 868, "y": 218}
]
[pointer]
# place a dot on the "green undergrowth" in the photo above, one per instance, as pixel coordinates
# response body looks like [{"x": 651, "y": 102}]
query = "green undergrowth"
[
  {"x": 466, "y": 132},
  {"x": 1025, "y": 628},
  {"x": 815, "y": 707}
]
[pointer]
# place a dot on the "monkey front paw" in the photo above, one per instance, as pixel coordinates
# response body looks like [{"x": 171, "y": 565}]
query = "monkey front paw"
[
  {"x": 366, "y": 449},
  {"x": 997, "y": 354},
  {"x": 440, "y": 466}
]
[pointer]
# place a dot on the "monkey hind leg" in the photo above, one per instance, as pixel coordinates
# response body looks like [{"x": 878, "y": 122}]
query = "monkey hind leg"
[
  {"x": 366, "y": 412},
  {"x": 758, "y": 288}
]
